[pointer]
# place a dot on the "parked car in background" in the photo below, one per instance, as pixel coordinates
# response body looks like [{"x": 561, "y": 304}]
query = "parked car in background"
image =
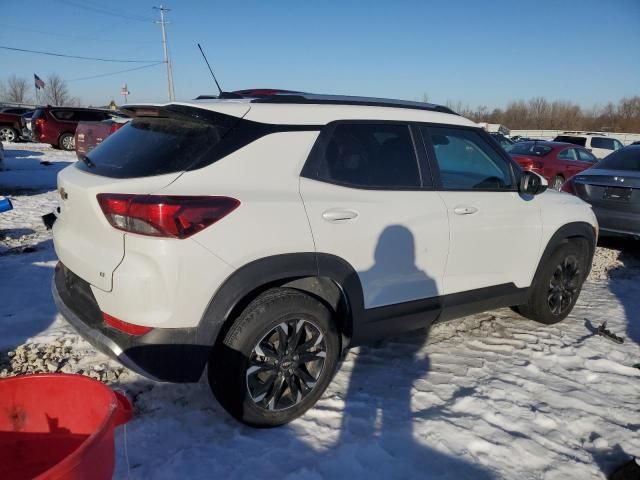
[
  {"x": 253, "y": 241},
  {"x": 599, "y": 144},
  {"x": 555, "y": 161},
  {"x": 90, "y": 134},
  {"x": 16, "y": 110},
  {"x": 528, "y": 139},
  {"x": 504, "y": 142},
  {"x": 612, "y": 187},
  {"x": 57, "y": 125},
  {"x": 10, "y": 127}
]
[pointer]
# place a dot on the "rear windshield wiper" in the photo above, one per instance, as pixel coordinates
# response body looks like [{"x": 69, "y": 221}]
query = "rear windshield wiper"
[{"x": 87, "y": 161}]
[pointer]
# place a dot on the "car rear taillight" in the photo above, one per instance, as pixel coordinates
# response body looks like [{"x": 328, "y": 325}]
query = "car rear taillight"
[
  {"x": 164, "y": 215},
  {"x": 128, "y": 328},
  {"x": 115, "y": 127},
  {"x": 568, "y": 187},
  {"x": 528, "y": 164}
]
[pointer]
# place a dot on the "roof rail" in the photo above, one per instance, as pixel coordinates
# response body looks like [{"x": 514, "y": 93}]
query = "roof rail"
[{"x": 317, "y": 99}]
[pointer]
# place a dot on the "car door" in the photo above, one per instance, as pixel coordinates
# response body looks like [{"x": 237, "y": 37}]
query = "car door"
[
  {"x": 370, "y": 201},
  {"x": 495, "y": 232}
]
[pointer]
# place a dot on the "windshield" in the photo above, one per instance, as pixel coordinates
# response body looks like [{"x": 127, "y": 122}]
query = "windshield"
[
  {"x": 625, "y": 159},
  {"x": 533, "y": 148}
]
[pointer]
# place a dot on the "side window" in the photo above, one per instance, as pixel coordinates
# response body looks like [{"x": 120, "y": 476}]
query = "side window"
[
  {"x": 617, "y": 145},
  {"x": 601, "y": 142},
  {"x": 66, "y": 115},
  {"x": 467, "y": 161},
  {"x": 568, "y": 154},
  {"x": 370, "y": 156},
  {"x": 586, "y": 156}
]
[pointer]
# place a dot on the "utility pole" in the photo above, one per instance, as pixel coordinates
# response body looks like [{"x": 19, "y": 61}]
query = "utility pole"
[{"x": 167, "y": 60}]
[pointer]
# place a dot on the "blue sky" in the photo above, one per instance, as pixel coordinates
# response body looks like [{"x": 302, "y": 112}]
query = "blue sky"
[{"x": 484, "y": 52}]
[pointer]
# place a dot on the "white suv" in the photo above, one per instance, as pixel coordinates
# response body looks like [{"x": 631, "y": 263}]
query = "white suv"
[
  {"x": 599, "y": 144},
  {"x": 252, "y": 241}
]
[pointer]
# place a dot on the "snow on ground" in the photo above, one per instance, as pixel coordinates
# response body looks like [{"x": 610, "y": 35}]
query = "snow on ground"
[{"x": 487, "y": 396}]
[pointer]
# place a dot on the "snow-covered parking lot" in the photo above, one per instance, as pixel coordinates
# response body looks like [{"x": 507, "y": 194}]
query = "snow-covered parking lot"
[{"x": 488, "y": 396}]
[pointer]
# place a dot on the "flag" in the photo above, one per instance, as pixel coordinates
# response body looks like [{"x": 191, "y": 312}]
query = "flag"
[{"x": 38, "y": 82}]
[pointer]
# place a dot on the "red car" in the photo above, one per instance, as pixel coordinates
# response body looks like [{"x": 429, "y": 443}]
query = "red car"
[
  {"x": 90, "y": 134},
  {"x": 10, "y": 126},
  {"x": 57, "y": 125},
  {"x": 555, "y": 161}
]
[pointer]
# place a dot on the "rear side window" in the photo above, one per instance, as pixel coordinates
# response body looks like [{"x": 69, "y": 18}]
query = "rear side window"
[
  {"x": 568, "y": 154},
  {"x": 601, "y": 142},
  {"x": 368, "y": 155},
  {"x": 65, "y": 115},
  {"x": 467, "y": 161},
  {"x": 586, "y": 156},
  {"x": 582, "y": 141},
  {"x": 149, "y": 146}
]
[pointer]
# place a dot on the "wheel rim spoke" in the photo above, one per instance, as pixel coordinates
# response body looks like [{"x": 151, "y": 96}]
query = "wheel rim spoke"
[
  {"x": 285, "y": 365},
  {"x": 564, "y": 285}
]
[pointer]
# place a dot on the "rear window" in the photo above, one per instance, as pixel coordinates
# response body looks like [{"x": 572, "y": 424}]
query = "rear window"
[
  {"x": 530, "y": 149},
  {"x": 625, "y": 159},
  {"x": 149, "y": 146},
  {"x": 582, "y": 141}
]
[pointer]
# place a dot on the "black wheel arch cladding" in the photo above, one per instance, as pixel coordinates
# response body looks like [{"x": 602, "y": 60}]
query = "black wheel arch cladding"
[{"x": 250, "y": 280}]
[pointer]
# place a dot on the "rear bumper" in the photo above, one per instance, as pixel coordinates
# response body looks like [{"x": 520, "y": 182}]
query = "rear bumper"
[
  {"x": 164, "y": 354},
  {"x": 618, "y": 221}
]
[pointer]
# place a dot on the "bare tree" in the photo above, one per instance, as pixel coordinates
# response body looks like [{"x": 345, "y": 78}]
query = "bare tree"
[
  {"x": 16, "y": 90},
  {"x": 57, "y": 93},
  {"x": 538, "y": 113}
]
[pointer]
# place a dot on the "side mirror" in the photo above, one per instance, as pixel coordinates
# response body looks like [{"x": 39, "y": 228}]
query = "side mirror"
[{"x": 532, "y": 184}]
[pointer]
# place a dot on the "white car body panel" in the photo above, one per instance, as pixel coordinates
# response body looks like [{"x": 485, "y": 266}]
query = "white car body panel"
[
  {"x": 496, "y": 245},
  {"x": 397, "y": 243},
  {"x": 83, "y": 238}
]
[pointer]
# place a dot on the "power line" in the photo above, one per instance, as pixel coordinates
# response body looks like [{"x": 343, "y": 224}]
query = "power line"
[
  {"x": 104, "y": 11},
  {"x": 73, "y": 37},
  {"x": 75, "y": 56},
  {"x": 115, "y": 73}
]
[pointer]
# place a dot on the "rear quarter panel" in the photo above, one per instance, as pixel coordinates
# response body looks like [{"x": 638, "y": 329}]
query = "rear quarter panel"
[{"x": 265, "y": 177}]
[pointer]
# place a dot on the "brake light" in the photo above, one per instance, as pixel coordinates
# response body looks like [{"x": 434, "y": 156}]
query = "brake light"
[
  {"x": 125, "y": 327},
  {"x": 115, "y": 127},
  {"x": 528, "y": 164},
  {"x": 568, "y": 187},
  {"x": 164, "y": 215}
]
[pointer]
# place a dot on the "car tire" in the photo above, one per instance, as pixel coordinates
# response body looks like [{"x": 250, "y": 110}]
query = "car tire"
[
  {"x": 556, "y": 183},
  {"x": 556, "y": 285},
  {"x": 66, "y": 142},
  {"x": 8, "y": 134},
  {"x": 256, "y": 377}
]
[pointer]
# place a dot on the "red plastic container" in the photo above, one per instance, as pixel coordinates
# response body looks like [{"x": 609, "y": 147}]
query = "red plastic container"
[{"x": 58, "y": 426}]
